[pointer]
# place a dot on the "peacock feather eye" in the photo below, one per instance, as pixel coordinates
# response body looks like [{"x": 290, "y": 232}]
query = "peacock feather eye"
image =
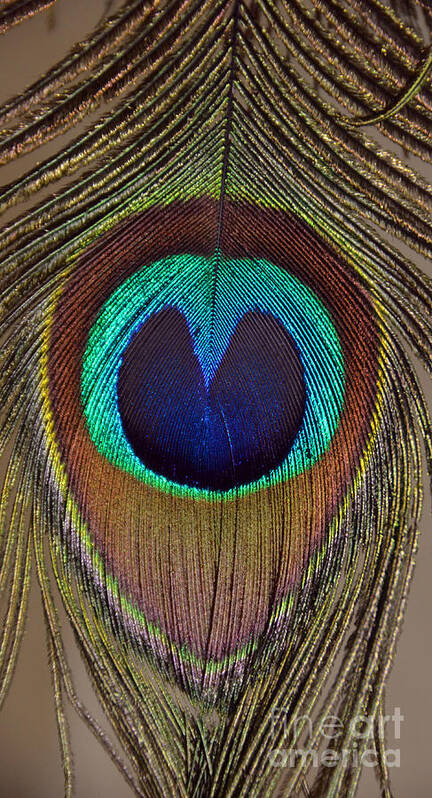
[
  {"x": 190, "y": 390},
  {"x": 222, "y": 380}
]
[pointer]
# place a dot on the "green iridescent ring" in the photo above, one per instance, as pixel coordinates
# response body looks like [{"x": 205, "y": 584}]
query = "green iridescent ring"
[{"x": 186, "y": 282}]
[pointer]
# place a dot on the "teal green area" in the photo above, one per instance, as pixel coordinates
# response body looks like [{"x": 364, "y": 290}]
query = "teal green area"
[{"x": 213, "y": 293}]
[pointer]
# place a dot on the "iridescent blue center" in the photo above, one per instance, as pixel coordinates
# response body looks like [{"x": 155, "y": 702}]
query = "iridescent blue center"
[{"x": 229, "y": 431}]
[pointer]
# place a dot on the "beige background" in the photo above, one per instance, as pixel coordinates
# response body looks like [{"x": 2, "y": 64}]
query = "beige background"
[{"x": 29, "y": 756}]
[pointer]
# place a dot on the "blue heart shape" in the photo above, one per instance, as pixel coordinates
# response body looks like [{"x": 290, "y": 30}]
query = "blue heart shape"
[{"x": 217, "y": 436}]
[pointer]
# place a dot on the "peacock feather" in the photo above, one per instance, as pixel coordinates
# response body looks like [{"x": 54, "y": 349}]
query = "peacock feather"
[{"x": 212, "y": 430}]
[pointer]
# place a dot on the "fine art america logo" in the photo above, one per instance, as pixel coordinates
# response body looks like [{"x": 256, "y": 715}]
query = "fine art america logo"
[{"x": 319, "y": 747}]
